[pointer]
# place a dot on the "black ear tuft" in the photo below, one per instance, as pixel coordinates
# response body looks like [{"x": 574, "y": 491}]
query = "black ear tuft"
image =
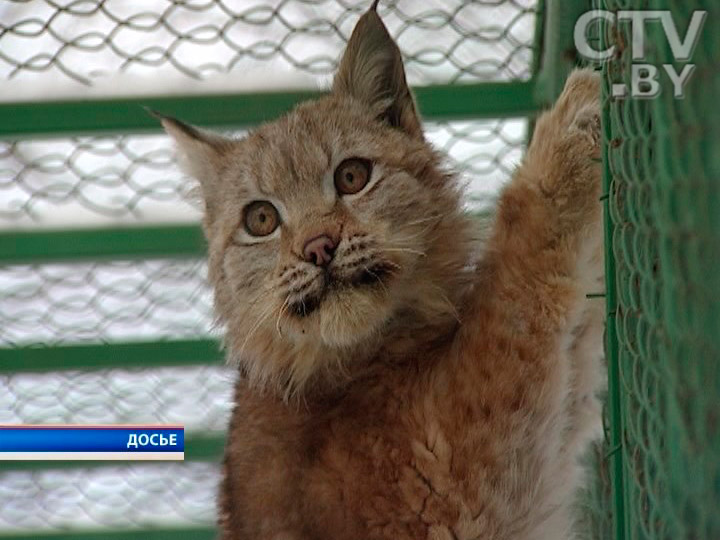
[{"x": 173, "y": 124}]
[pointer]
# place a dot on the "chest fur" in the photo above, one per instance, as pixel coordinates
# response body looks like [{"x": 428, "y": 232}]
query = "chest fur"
[{"x": 395, "y": 460}]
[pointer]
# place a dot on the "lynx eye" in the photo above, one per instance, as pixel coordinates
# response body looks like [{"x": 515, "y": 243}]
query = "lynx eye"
[
  {"x": 352, "y": 175},
  {"x": 261, "y": 218}
]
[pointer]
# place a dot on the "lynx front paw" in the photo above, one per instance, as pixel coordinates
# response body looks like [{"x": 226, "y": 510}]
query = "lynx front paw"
[
  {"x": 577, "y": 110},
  {"x": 580, "y": 95},
  {"x": 587, "y": 123},
  {"x": 565, "y": 149},
  {"x": 575, "y": 115}
]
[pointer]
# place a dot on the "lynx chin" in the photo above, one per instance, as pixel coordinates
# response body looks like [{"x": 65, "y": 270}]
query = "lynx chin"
[{"x": 404, "y": 370}]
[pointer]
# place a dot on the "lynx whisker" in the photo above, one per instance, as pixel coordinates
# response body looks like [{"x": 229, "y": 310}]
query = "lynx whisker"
[
  {"x": 444, "y": 297},
  {"x": 261, "y": 319},
  {"x": 264, "y": 291},
  {"x": 406, "y": 250},
  {"x": 283, "y": 307},
  {"x": 378, "y": 279},
  {"x": 435, "y": 217},
  {"x": 415, "y": 235}
]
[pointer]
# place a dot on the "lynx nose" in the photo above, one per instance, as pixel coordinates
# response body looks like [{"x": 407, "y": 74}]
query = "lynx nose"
[{"x": 319, "y": 250}]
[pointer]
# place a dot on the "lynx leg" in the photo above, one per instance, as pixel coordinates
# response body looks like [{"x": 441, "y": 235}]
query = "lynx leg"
[
  {"x": 543, "y": 254},
  {"x": 527, "y": 338},
  {"x": 579, "y": 101},
  {"x": 549, "y": 222}
]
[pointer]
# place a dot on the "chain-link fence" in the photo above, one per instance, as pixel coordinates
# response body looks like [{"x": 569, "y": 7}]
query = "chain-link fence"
[
  {"x": 102, "y": 52},
  {"x": 86, "y": 41},
  {"x": 663, "y": 243},
  {"x": 114, "y": 497},
  {"x": 134, "y": 178},
  {"x": 68, "y": 303}
]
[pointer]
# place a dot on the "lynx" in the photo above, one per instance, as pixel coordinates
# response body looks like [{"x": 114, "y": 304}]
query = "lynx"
[{"x": 404, "y": 371}]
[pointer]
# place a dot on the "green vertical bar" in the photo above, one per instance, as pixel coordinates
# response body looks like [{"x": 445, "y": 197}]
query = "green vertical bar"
[
  {"x": 559, "y": 55},
  {"x": 538, "y": 38},
  {"x": 611, "y": 354},
  {"x": 616, "y": 451},
  {"x": 554, "y": 49},
  {"x": 538, "y": 48}
]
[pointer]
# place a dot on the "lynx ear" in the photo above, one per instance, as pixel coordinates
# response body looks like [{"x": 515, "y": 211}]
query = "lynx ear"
[
  {"x": 200, "y": 154},
  {"x": 371, "y": 71}
]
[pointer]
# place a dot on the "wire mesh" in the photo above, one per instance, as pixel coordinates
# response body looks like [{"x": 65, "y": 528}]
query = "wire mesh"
[
  {"x": 84, "y": 41},
  {"x": 117, "y": 179},
  {"x": 135, "y": 179},
  {"x": 100, "y": 302},
  {"x": 665, "y": 210},
  {"x": 197, "y": 397},
  {"x": 123, "y": 497},
  {"x": 114, "y": 497},
  {"x": 51, "y": 49}
]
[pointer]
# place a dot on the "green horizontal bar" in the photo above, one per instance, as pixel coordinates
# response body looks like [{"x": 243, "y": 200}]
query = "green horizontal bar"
[
  {"x": 483, "y": 100},
  {"x": 94, "y": 116},
  {"x": 205, "y": 448},
  {"x": 160, "y": 241},
  {"x": 77, "y": 117},
  {"x": 149, "y": 354},
  {"x": 197, "y": 448},
  {"x": 194, "y": 533}
]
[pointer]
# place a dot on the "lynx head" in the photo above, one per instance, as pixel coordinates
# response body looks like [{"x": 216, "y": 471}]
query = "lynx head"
[{"x": 330, "y": 226}]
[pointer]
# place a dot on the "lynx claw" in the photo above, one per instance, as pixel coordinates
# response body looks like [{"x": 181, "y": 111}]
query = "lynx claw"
[{"x": 587, "y": 121}]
